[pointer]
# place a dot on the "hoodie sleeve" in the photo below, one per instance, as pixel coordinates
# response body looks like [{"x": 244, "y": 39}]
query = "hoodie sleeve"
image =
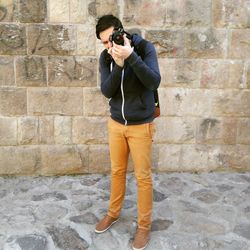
[
  {"x": 110, "y": 80},
  {"x": 147, "y": 70}
]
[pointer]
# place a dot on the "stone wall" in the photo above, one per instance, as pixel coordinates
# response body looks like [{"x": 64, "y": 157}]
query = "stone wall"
[{"x": 53, "y": 116}]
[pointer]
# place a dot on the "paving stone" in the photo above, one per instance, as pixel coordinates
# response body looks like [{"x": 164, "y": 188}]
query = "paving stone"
[
  {"x": 67, "y": 238},
  {"x": 243, "y": 230},
  {"x": 160, "y": 225},
  {"x": 158, "y": 196},
  {"x": 87, "y": 218},
  {"x": 205, "y": 195}
]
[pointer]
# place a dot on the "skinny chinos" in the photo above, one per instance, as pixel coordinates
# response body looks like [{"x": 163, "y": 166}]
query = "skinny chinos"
[{"x": 136, "y": 140}]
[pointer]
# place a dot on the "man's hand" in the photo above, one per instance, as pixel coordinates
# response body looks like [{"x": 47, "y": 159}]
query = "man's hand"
[{"x": 120, "y": 53}]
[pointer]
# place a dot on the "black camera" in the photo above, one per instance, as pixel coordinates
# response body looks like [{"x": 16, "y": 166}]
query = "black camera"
[{"x": 117, "y": 36}]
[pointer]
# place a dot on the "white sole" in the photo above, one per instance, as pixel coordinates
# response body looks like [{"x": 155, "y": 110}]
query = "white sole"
[
  {"x": 140, "y": 248},
  {"x": 99, "y": 232}
]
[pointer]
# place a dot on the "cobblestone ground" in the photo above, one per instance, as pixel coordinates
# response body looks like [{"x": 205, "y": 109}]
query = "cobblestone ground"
[{"x": 191, "y": 211}]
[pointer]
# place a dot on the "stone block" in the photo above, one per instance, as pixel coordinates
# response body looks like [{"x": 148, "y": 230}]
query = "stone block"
[
  {"x": 231, "y": 13},
  {"x": 232, "y": 103},
  {"x": 229, "y": 157},
  {"x": 13, "y": 101},
  {"x": 186, "y": 102},
  {"x": 239, "y": 44},
  {"x": 89, "y": 130},
  {"x": 55, "y": 101},
  {"x": 94, "y": 103},
  {"x": 6, "y": 10},
  {"x": 32, "y": 11},
  {"x": 99, "y": 160},
  {"x": 168, "y": 157},
  {"x": 31, "y": 71},
  {"x": 13, "y": 39},
  {"x": 243, "y": 136},
  {"x": 86, "y": 40},
  {"x": 168, "y": 43},
  {"x": 8, "y": 131},
  {"x": 222, "y": 74},
  {"x": 46, "y": 130},
  {"x": 102, "y": 7},
  {"x": 62, "y": 160},
  {"x": 180, "y": 72},
  {"x": 51, "y": 39},
  {"x": 188, "y": 13},
  {"x": 248, "y": 76},
  {"x": 59, "y": 11},
  {"x": 63, "y": 130},
  {"x": 173, "y": 130},
  {"x": 7, "y": 76},
  {"x": 21, "y": 160},
  {"x": 72, "y": 71},
  {"x": 205, "y": 43},
  {"x": 28, "y": 130},
  {"x": 216, "y": 131},
  {"x": 78, "y": 11},
  {"x": 138, "y": 13}
]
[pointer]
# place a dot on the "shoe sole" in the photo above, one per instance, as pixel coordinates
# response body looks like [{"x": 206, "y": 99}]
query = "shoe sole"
[
  {"x": 140, "y": 248},
  {"x": 99, "y": 232}
]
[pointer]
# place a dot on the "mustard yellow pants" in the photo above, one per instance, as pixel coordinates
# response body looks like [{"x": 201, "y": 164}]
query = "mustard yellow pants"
[{"x": 136, "y": 140}]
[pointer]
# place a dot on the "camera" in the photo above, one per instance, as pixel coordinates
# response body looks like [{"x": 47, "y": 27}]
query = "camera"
[{"x": 117, "y": 36}]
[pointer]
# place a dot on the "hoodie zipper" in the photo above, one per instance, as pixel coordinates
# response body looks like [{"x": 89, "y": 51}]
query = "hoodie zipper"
[{"x": 123, "y": 99}]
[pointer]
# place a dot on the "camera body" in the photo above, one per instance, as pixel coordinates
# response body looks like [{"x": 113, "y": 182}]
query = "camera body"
[{"x": 117, "y": 36}]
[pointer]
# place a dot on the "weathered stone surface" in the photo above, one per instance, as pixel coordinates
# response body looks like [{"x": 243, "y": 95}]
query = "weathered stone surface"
[
  {"x": 188, "y": 13},
  {"x": 46, "y": 130},
  {"x": 7, "y": 11},
  {"x": 205, "y": 196},
  {"x": 28, "y": 130},
  {"x": 30, "y": 241},
  {"x": 205, "y": 43},
  {"x": 13, "y": 39},
  {"x": 231, "y": 13},
  {"x": 60, "y": 14},
  {"x": 94, "y": 103},
  {"x": 179, "y": 72},
  {"x": 67, "y": 238},
  {"x": 89, "y": 130},
  {"x": 99, "y": 160},
  {"x": 8, "y": 131},
  {"x": 33, "y": 11},
  {"x": 54, "y": 196},
  {"x": 31, "y": 71},
  {"x": 168, "y": 43},
  {"x": 63, "y": 130},
  {"x": 248, "y": 75},
  {"x": 222, "y": 74},
  {"x": 239, "y": 44},
  {"x": 51, "y": 101},
  {"x": 175, "y": 130},
  {"x": 243, "y": 136},
  {"x": 7, "y": 76},
  {"x": 137, "y": 12},
  {"x": 216, "y": 131},
  {"x": 160, "y": 225},
  {"x": 72, "y": 71},
  {"x": 78, "y": 11},
  {"x": 87, "y": 218},
  {"x": 19, "y": 160},
  {"x": 243, "y": 230},
  {"x": 99, "y": 8},
  {"x": 63, "y": 160},
  {"x": 13, "y": 101},
  {"x": 232, "y": 103},
  {"x": 51, "y": 39},
  {"x": 86, "y": 40},
  {"x": 158, "y": 196}
]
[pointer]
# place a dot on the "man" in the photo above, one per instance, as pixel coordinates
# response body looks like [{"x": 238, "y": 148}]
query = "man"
[{"x": 129, "y": 82}]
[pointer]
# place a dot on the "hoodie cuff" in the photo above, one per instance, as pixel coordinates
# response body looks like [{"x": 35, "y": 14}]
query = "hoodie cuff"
[{"x": 132, "y": 59}]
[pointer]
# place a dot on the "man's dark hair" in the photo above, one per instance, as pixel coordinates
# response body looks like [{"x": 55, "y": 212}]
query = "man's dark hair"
[{"x": 106, "y": 22}]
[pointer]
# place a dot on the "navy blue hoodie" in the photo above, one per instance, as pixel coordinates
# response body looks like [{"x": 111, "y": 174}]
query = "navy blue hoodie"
[{"x": 130, "y": 88}]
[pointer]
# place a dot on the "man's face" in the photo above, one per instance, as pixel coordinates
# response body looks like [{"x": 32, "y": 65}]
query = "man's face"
[{"x": 104, "y": 35}]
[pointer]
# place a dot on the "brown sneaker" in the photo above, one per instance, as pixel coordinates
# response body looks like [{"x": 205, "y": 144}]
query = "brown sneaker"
[
  {"x": 105, "y": 224},
  {"x": 141, "y": 239}
]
